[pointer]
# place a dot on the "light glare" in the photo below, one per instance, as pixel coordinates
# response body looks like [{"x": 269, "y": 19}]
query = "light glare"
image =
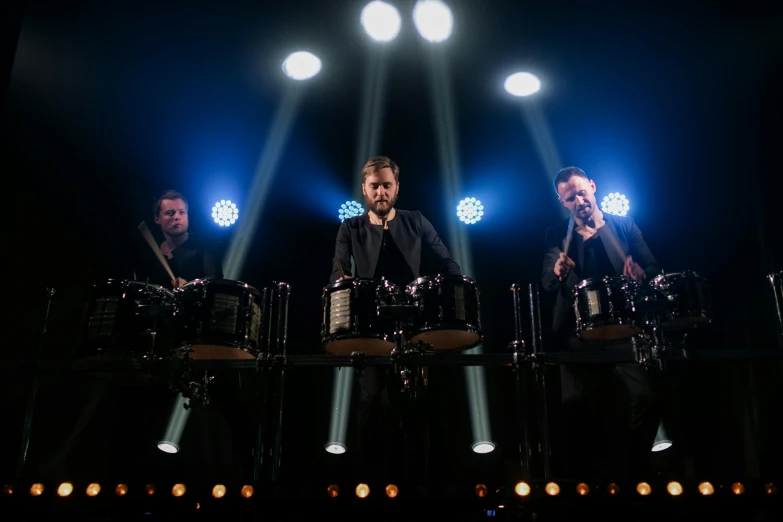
[
  {"x": 350, "y": 209},
  {"x": 522, "y": 84},
  {"x": 225, "y": 212},
  {"x": 618, "y": 205},
  {"x": 469, "y": 211},
  {"x": 433, "y": 19},
  {"x": 301, "y": 65},
  {"x": 381, "y": 21}
]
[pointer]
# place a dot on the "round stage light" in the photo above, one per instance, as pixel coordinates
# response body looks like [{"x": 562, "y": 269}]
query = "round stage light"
[
  {"x": 93, "y": 489},
  {"x": 613, "y": 489},
  {"x": 552, "y": 489},
  {"x": 643, "y": 488},
  {"x": 738, "y": 488},
  {"x": 350, "y": 209},
  {"x": 247, "y": 491},
  {"x": 481, "y": 490},
  {"x": 582, "y": 489},
  {"x": 333, "y": 490},
  {"x": 149, "y": 489},
  {"x": 301, "y": 65},
  {"x": 618, "y": 205},
  {"x": 178, "y": 490},
  {"x": 65, "y": 489},
  {"x": 392, "y": 490},
  {"x": 522, "y": 84},
  {"x": 168, "y": 446},
  {"x": 37, "y": 489},
  {"x": 219, "y": 491},
  {"x": 433, "y": 19},
  {"x": 470, "y": 211},
  {"x": 674, "y": 488},
  {"x": 522, "y": 489},
  {"x": 362, "y": 490},
  {"x": 484, "y": 446},
  {"x": 121, "y": 490},
  {"x": 381, "y": 21},
  {"x": 225, "y": 213},
  {"x": 706, "y": 489},
  {"x": 335, "y": 448}
]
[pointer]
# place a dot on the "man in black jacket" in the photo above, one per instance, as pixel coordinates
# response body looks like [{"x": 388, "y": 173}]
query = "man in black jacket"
[
  {"x": 399, "y": 245},
  {"x": 601, "y": 245}
]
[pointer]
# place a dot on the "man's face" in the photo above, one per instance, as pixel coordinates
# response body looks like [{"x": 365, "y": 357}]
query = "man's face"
[
  {"x": 173, "y": 217},
  {"x": 380, "y": 191},
  {"x": 578, "y": 195}
]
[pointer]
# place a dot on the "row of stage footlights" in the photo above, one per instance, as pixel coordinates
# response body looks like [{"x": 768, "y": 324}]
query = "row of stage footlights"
[{"x": 521, "y": 489}]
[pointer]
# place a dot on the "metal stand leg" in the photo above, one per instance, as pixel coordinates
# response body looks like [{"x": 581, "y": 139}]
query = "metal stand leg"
[{"x": 28, "y": 419}]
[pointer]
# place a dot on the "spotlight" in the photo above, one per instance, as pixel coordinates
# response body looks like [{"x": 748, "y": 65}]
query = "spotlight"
[
  {"x": 433, "y": 19},
  {"x": 381, "y": 21},
  {"x": 643, "y": 488},
  {"x": 618, "y": 205},
  {"x": 121, "y": 490},
  {"x": 8, "y": 489},
  {"x": 247, "y": 491},
  {"x": 225, "y": 212},
  {"x": 219, "y": 491},
  {"x": 301, "y": 65},
  {"x": 178, "y": 419},
  {"x": 613, "y": 489},
  {"x": 37, "y": 489},
  {"x": 522, "y": 84},
  {"x": 706, "y": 489},
  {"x": 737, "y": 488},
  {"x": 65, "y": 489},
  {"x": 470, "y": 211},
  {"x": 522, "y": 489},
  {"x": 149, "y": 489},
  {"x": 333, "y": 490},
  {"x": 552, "y": 489},
  {"x": 392, "y": 490},
  {"x": 178, "y": 490},
  {"x": 350, "y": 209},
  {"x": 362, "y": 490},
  {"x": 93, "y": 489},
  {"x": 481, "y": 490},
  {"x": 674, "y": 488},
  {"x": 770, "y": 488},
  {"x": 582, "y": 489}
]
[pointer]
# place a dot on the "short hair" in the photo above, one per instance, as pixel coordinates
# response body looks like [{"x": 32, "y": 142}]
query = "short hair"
[
  {"x": 168, "y": 194},
  {"x": 567, "y": 173},
  {"x": 377, "y": 163}
]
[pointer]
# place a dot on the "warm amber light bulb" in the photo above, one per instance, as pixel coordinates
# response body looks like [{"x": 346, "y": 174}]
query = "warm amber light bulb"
[
  {"x": 219, "y": 491},
  {"x": 552, "y": 488},
  {"x": 674, "y": 488},
  {"x": 770, "y": 488},
  {"x": 705, "y": 488},
  {"x": 121, "y": 490},
  {"x": 65, "y": 489},
  {"x": 150, "y": 489},
  {"x": 362, "y": 490},
  {"x": 582, "y": 488},
  {"x": 481, "y": 490},
  {"x": 37, "y": 489},
  {"x": 178, "y": 490},
  {"x": 8, "y": 489},
  {"x": 247, "y": 491},
  {"x": 392, "y": 490},
  {"x": 333, "y": 490},
  {"x": 522, "y": 489},
  {"x": 643, "y": 488},
  {"x": 613, "y": 488},
  {"x": 738, "y": 488}
]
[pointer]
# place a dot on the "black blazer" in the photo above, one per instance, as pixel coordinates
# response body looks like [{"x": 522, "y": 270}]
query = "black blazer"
[
  {"x": 628, "y": 237},
  {"x": 413, "y": 233}
]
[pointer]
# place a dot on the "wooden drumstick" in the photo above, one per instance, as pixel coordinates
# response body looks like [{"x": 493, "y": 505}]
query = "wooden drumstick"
[
  {"x": 567, "y": 241},
  {"x": 145, "y": 232},
  {"x": 339, "y": 267}
]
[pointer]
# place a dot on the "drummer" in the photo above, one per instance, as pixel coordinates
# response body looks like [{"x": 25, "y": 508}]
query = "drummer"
[
  {"x": 399, "y": 245},
  {"x": 598, "y": 245},
  {"x": 190, "y": 257}
]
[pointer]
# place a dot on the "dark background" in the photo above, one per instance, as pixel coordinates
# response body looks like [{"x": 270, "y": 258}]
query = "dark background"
[{"x": 675, "y": 105}]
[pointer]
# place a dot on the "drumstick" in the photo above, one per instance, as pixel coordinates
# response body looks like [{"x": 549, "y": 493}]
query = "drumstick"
[
  {"x": 567, "y": 241},
  {"x": 145, "y": 231},
  {"x": 339, "y": 267}
]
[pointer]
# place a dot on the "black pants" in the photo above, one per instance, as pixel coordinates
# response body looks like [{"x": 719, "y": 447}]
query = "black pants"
[
  {"x": 610, "y": 418},
  {"x": 393, "y": 429}
]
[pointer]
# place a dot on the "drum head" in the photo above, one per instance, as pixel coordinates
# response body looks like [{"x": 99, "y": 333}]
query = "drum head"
[
  {"x": 448, "y": 340},
  {"x": 211, "y": 352},
  {"x": 367, "y": 346}
]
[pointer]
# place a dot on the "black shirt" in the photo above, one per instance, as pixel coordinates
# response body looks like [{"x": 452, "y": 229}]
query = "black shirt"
[
  {"x": 391, "y": 263},
  {"x": 193, "y": 259},
  {"x": 596, "y": 262}
]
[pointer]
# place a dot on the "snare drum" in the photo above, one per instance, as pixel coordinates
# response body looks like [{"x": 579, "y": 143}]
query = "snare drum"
[
  {"x": 605, "y": 309},
  {"x": 122, "y": 318},
  {"x": 449, "y": 318},
  {"x": 219, "y": 319},
  {"x": 351, "y": 322},
  {"x": 689, "y": 300}
]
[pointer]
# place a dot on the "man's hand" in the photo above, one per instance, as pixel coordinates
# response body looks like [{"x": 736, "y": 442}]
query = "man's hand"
[
  {"x": 345, "y": 277},
  {"x": 178, "y": 282},
  {"x": 563, "y": 265},
  {"x": 633, "y": 270}
]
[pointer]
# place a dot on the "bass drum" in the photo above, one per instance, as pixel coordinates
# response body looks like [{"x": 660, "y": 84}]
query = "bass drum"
[
  {"x": 351, "y": 322},
  {"x": 449, "y": 318}
]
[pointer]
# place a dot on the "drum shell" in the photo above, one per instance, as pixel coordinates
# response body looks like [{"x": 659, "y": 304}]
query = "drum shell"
[
  {"x": 689, "y": 301},
  {"x": 450, "y": 312},
  {"x": 605, "y": 309}
]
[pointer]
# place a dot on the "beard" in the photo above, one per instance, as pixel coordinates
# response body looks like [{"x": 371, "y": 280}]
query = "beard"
[{"x": 381, "y": 210}]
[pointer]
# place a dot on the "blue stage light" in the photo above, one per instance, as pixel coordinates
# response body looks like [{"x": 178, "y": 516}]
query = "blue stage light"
[
  {"x": 470, "y": 211},
  {"x": 350, "y": 209},
  {"x": 225, "y": 213},
  {"x": 615, "y": 203}
]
